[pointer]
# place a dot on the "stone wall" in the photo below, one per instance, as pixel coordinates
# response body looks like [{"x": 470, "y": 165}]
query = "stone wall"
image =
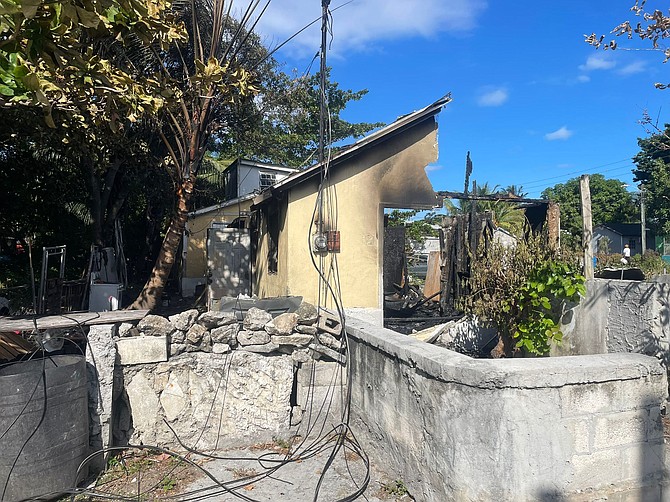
[
  {"x": 463, "y": 429},
  {"x": 206, "y": 399},
  {"x": 206, "y": 379}
]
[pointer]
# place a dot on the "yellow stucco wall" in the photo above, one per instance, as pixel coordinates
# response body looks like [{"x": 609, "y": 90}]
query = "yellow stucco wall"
[
  {"x": 388, "y": 175},
  {"x": 195, "y": 258}
]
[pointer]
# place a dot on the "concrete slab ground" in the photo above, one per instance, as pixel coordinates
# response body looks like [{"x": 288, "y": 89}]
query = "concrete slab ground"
[{"x": 248, "y": 471}]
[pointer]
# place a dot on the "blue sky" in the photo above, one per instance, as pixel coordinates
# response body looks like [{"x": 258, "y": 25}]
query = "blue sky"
[{"x": 533, "y": 103}]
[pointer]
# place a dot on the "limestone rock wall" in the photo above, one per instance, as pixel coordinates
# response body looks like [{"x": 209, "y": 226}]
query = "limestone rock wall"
[
  {"x": 206, "y": 399},
  {"x": 203, "y": 378}
]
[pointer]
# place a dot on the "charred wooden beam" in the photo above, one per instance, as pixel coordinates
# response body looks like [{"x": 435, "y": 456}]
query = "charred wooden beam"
[{"x": 492, "y": 197}]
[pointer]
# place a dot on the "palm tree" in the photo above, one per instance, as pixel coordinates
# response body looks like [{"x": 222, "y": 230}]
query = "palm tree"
[
  {"x": 515, "y": 191},
  {"x": 504, "y": 214}
]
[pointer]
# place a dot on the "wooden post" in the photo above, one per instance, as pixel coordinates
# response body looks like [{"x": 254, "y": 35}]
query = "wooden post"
[
  {"x": 587, "y": 234},
  {"x": 432, "y": 284},
  {"x": 554, "y": 225}
]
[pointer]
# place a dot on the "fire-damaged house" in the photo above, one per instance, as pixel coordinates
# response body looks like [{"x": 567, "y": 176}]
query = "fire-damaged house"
[
  {"x": 333, "y": 211},
  {"x": 385, "y": 169}
]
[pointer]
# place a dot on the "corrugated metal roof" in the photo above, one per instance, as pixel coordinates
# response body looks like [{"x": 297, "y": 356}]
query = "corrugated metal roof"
[{"x": 222, "y": 205}]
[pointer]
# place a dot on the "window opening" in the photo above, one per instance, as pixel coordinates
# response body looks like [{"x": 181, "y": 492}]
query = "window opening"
[{"x": 267, "y": 180}]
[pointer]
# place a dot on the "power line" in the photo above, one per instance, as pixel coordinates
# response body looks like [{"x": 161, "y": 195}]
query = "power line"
[
  {"x": 591, "y": 170},
  {"x": 581, "y": 171},
  {"x": 567, "y": 177}
]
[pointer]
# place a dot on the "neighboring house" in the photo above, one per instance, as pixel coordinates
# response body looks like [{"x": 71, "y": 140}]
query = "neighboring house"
[
  {"x": 663, "y": 246},
  {"x": 386, "y": 169},
  {"x": 612, "y": 238},
  {"x": 244, "y": 177},
  {"x": 429, "y": 244},
  {"x": 504, "y": 238},
  {"x": 244, "y": 180}
]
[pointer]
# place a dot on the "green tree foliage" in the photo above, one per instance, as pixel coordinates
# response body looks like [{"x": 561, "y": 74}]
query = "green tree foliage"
[
  {"x": 652, "y": 172},
  {"x": 650, "y": 263},
  {"x": 137, "y": 89},
  {"x": 51, "y": 57},
  {"x": 416, "y": 230},
  {"x": 72, "y": 192},
  {"x": 610, "y": 203},
  {"x": 515, "y": 190},
  {"x": 43, "y": 190},
  {"x": 535, "y": 303},
  {"x": 209, "y": 80},
  {"x": 282, "y": 124}
]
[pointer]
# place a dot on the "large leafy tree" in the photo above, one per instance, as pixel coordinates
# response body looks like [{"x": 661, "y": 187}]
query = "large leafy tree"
[
  {"x": 96, "y": 69},
  {"x": 140, "y": 90},
  {"x": 45, "y": 202},
  {"x": 610, "y": 203},
  {"x": 653, "y": 174},
  {"x": 209, "y": 79},
  {"x": 282, "y": 125},
  {"x": 60, "y": 59},
  {"x": 51, "y": 57}
]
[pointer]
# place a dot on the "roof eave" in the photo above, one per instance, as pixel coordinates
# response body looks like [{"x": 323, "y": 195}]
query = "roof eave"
[{"x": 368, "y": 141}]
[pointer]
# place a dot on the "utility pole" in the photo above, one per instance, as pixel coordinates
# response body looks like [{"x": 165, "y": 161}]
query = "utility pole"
[
  {"x": 322, "y": 110},
  {"x": 643, "y": 221},
  {"x": 587, "y": 234},
  {"x": 322, "y": 85}
]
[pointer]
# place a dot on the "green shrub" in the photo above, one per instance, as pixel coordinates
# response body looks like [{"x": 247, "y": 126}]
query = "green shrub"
[
  {"x": 650, "y": 263},
  {"x": 549, "y": 283},
  {"x": 518, "y": 288}
]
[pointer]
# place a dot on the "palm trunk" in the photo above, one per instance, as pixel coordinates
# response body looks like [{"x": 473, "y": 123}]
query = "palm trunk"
[{"x": 153, "y": 289}]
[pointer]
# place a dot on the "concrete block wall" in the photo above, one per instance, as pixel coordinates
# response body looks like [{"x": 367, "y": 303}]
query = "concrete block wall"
[
  {"x": 455, "y": 428},
  {"x": 620, "y": 316}
]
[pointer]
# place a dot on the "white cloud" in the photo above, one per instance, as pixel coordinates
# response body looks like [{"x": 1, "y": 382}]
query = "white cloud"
[
  {"x": 632, "y": 68},
  {"x": 358, "y": 25},
  {"x": 597, "y": 62},
  {"x": 432, "y": 168},
  {"x": 559, "y": 134},
  {"x": 493, "y": 97},
  {"x": 583, "y": 78}
]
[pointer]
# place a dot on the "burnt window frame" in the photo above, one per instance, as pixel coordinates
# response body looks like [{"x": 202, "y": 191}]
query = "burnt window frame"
[{"x": 272, "y": 223}]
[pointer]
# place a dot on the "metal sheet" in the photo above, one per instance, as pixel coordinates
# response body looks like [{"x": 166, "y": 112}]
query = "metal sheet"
[{"x": 228, "y": 263}]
